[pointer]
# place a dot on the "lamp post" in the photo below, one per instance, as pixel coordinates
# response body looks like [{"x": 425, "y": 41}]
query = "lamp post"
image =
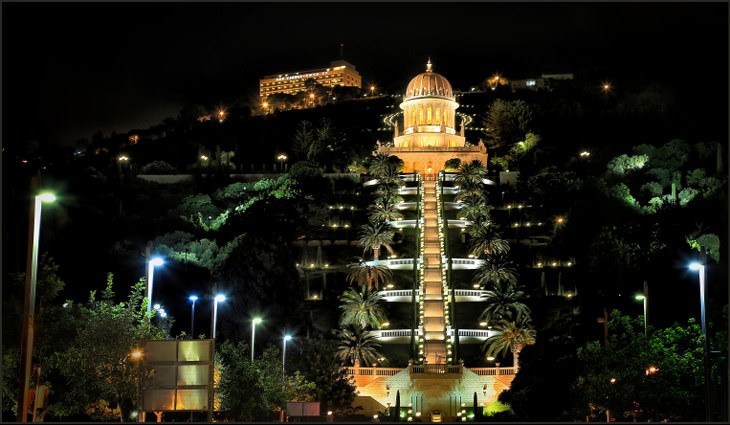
[
  {"x": 701, "y": 269},
  {"x": 31, "y": 278},
  {"x": 283, "y": 357},
  {"x": 192, "y": 298},
  {"x": 151, "y": 264},
  {"x": 282, "y": 162},
  {"x": 218, "y": 298},
  {"x": 254, "y": 322},
  {"x": 642, "y": 298},
  {"x": 136, "y": 357}
]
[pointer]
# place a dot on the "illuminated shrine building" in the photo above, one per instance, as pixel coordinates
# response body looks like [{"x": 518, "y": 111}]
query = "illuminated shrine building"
[{"x": 429, "y": 136}]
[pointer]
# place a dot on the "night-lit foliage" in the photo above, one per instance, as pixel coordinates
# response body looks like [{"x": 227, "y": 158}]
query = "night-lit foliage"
[
  {"x": 257, "y": 390},
  {"x": 362, "y": 309},
  {"x": 367, "y": 277},
  {"x": 98, "y": 366},
  {"x": 358, "y": 346},
  {"x": 618, "y": 377},
  {"x": 374, "y": 236}
]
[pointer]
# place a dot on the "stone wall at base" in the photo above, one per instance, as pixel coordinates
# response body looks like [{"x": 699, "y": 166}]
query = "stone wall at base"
[{"x": 426, "y": 392}]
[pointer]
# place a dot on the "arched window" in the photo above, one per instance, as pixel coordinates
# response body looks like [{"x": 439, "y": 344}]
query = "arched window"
[
  {"x": 428, "y": 115},
  {"x": 446, "y": 117},
  {"x": 438, "y": 115},
  {"x": 420, "y": 115}
]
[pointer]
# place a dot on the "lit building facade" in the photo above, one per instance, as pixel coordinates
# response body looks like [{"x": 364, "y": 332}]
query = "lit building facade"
[
  {"x": 339, "y": 73},
  {"x": 429, "y": 137}
]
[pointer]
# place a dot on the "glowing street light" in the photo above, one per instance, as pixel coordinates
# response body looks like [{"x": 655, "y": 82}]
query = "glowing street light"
[
  {"x": 282, "y": 161},
  {"x": 642, "y": 298},
  {"x": 136, "y": 356},
  {"x": 221, "y": 114},
  {"x": 192, "y": 298},
  {"x": 31, "y": 279},
  {"x": 151, "y": 264},
  {"x": 701, "y": 269},
  {"x": 254, "y": 322},
  {"x": 606, "y": 87},
  {"x": 218, "y": 299},
  {"x": 283, "y": 356}
]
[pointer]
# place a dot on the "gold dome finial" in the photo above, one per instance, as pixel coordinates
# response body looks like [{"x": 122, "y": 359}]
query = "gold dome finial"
[{"x": 428, "y": 65}]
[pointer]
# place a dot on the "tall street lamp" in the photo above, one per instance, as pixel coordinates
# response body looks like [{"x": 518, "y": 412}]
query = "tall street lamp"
[
  {"x": 701, "y": 269},
  {"x": 218, "y": 298},
  {"x": 254, "y": 322},
  {"x": 192, "y": 298},
  {"x": 151, "y": 264},
  {"x": 31, "y": 278},
  {"x": 642, "y": 298},
  {"x": 136, "y": 356},
  {"x": 283, "y": 356}
]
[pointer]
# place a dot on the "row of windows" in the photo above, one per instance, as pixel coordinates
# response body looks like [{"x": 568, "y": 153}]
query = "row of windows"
[
  {"x": 429, "y": 116},
  {"x": 278, "y": 82}
]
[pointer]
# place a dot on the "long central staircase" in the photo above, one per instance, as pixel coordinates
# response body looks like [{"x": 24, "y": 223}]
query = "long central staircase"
[{"x": 434, "y": 318}]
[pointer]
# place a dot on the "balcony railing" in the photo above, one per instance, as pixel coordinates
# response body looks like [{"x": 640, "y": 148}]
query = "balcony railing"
[
  {"x": 493, "y": 371},
  {"x": 399, "y": 295},
  {"x": 430, "y": 369},
  {"x": 396, "y": 263},
  {"x": 466, "y": 263},
  {"x": 374, "y": 371},
  {"x": 393, "y": 333},
  {"x": 435, "y": 369}
]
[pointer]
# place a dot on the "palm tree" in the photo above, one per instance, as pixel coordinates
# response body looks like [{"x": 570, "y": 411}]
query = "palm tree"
[
  {"x": 368, "y": 277},
  {"x": 383, "y": 209},
  {"x": 373, "y": 236},
  {"x": 387, "y": 193},
  {"x": 495, "y": 269},
  {"x": 469, "y": 192},
  {"x": 511, "y": 335},
  {"x": 390, "y": 176},
  {"x": 476, "y": 213},
  {"x": 358, "y": 346},
  {"x": 362, "y": 309},
  {"x": 485, "y": 239},
  {"x": 504, "y": 302},
  {"x": 378, "y": 164},
  {"x": 470, "y": 173}
]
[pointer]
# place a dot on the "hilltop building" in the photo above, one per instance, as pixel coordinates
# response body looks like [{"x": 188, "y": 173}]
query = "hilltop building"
[{"x": 339, "y": 73}]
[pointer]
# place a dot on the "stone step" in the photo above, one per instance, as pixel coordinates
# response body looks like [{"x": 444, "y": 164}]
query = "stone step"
[
  {"x": 431, "y": 275},
  {"x": 434, "y": 336},
  {"x": 433, "y": 289}
]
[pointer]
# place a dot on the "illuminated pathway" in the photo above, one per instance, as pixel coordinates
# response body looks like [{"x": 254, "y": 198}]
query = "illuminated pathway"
[{"x": 433, "y": 319}]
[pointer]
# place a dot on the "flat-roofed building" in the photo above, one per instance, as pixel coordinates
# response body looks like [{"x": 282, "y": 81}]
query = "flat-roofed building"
[{"x": 339, "y": 73}]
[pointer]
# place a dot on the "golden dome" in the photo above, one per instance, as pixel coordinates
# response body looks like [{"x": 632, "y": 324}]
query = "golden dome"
[{"x": 429, "y": 84}]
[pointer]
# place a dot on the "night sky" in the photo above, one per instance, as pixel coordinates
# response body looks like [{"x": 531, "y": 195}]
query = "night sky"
[{"x": 72, "y": 69}]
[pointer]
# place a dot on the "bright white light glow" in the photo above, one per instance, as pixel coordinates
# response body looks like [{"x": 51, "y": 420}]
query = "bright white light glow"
[
  {"x": 47, "y": 197},
  {"x": 695, "y": 266},
  {"x": 193, "y": 298},
  {"x": 220, "y": 298},
  {"x": 157, "y": 261}
]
